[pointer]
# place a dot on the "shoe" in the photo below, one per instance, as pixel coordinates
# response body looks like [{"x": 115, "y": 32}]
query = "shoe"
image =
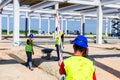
[
  {"x": 56, "y": 59},
  {"x": 31, "y": 69}
]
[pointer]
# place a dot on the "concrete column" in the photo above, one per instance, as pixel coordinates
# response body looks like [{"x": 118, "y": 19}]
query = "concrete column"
[
  {"x": 66, "y": 25},
  {"x": 29, "y": 22},
  {"x": 0, "y": 24},
  {"x": 62, "y": 23},
  {"x": 82, "y": 25},
  {"x": 106, "y": 27},
  {"x": 8, "y": 25},
  {"x": 16, "y": 23},
  {"x": 56, "y": 17},
  {"x": 40, "y": 25},
  {"x": 48, "y": 26},
  {"x": 81, "y": 32},
  {"x": 26, "y": 25},
  {"x": 110, "y": 27},
  {"x": 99, "y": 25}
]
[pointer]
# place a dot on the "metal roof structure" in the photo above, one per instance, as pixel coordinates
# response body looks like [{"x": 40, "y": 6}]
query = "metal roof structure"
[
  {"x": 99, "y": 9},
  {"x": 111, "y": 8}
]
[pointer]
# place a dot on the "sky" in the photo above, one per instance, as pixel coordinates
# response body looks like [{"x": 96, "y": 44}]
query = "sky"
[{"x": 90, "y": 25}]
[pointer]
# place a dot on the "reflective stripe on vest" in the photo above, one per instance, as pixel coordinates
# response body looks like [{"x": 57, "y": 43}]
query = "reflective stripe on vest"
[
  {"x": 28, "y": 47},
  {"x": 78, "y": 68}
]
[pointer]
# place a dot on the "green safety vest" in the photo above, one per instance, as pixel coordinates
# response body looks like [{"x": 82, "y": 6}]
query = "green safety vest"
[
  {"x": 56, "y": 38},
  {"x": 28, "y": 47},
  {"x": 78, "y": 68}
]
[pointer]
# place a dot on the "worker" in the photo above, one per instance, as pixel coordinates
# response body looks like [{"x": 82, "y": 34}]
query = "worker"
[
  {"x": 59, "y": 47},
  {"x": 29, "y": 51},
  {"x": 78, "y": 67}
]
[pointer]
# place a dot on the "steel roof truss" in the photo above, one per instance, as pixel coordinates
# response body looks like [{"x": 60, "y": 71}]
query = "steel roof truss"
[
  {"x": 112, "y": 6},
  {"x": 110, "y": 2},
  {"x": 42, "y": 5},
  {"x": 4, "y": 3},
  {"x": 95, "y": 3},
  {"x": 74, "y": 7}
]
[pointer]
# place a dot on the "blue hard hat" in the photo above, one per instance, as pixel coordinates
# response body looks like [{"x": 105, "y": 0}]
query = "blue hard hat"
[
  {"x": 81, "y": 41},
  {"x": 31, "y": 35}
]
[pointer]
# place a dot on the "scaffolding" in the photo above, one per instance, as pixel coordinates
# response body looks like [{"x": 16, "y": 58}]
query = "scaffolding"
[{"x": 115, "y": 27}]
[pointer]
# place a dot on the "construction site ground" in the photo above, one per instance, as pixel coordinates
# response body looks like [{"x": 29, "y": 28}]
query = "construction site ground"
[{"x": 106, "y": 58}]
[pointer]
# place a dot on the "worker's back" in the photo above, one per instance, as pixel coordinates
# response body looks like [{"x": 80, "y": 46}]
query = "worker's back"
[
  {"x": 28, "y": 45},
  {"x": 78, "y": 68}
]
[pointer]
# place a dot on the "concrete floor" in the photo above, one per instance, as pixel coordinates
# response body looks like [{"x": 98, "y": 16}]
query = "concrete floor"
[{"x": 106, "y": 58}]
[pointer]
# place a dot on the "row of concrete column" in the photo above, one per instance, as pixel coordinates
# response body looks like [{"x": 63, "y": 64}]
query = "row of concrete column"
[
  {"x": 48, "y": 29},
  {"x": 39, "y": 30},
  {"x": 62, "y": 26},
  {"x": 16, "y": 24}
]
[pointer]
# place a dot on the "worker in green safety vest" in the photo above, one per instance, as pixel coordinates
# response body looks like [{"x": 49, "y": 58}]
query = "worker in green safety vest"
[
  {"x": 29, "y": 51},
  {"x": 57, "y": 45},
  {"x": 78, "y": 67}
]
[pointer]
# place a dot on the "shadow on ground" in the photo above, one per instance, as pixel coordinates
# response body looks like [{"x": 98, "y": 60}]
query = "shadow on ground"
[
  {"x": 107, "y": 68},
  {"x": 98, "y": 64},
  {"x": 48, "y": 58},
  {"x": 10, "y": 61}
]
